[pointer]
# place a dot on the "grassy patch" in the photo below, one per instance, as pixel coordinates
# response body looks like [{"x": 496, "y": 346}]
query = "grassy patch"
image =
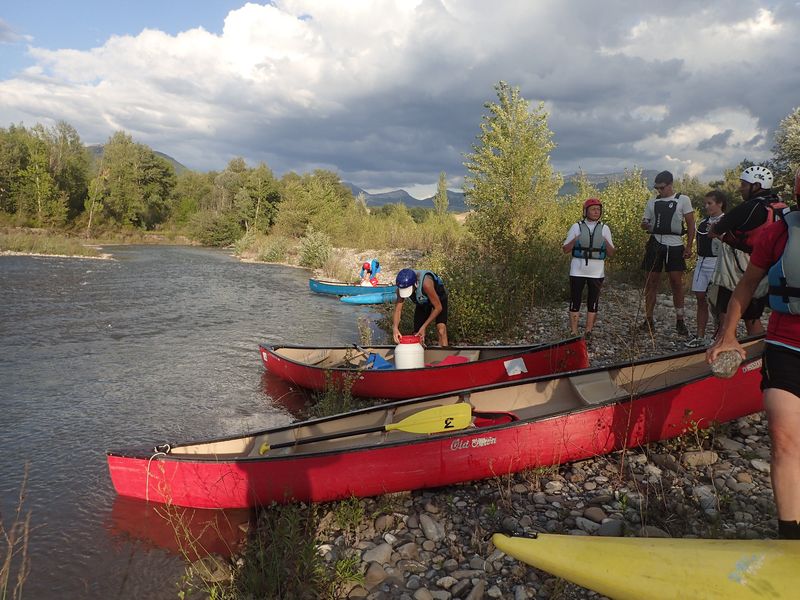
[{"x": 41, "y": 242}]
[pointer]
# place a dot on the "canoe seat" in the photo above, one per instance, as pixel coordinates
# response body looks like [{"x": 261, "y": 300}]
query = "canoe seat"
[{"x": 597, "y": 387}]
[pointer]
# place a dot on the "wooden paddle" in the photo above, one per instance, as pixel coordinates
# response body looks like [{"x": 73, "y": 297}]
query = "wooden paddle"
[{"x": 431, "y": 420}]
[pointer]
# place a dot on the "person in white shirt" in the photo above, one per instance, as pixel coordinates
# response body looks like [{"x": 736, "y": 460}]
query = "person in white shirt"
[
  {"x": 708, "y": 249},
  {"x": 589, "y": 241},
  {"x": 664, "y": 216}
]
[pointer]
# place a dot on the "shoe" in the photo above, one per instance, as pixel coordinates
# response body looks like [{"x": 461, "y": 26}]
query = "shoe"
[
  {"x": 696, "y": 342},
  {"x": 648, "y": 325},
  {"x": 680, "y": 327},
  {"x": 587, "y": 335}
]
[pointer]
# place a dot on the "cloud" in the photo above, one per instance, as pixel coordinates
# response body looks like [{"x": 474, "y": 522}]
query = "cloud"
[
  {"x": 9, "y": 36},
  {"x": 391, "y": 92}
]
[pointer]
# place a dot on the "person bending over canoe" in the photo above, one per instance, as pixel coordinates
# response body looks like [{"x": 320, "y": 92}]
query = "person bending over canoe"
[
  {"x": 776, "y": 254},
  {"x": 369, "y": 272},
  {"x": 426, "y": 290}
]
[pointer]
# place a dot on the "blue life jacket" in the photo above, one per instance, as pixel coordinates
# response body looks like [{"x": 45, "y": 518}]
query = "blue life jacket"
[
  {"x": 374, "y": 266},
  {"x": 784, "y": 275},
  {"x": 585, "y": 247},
  {"x": 419, "y": 296}
]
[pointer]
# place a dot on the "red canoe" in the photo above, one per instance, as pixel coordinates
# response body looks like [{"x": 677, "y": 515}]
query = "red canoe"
[
  {"x": 520, "y": 425},
  {"x": 449, "y": 369}
]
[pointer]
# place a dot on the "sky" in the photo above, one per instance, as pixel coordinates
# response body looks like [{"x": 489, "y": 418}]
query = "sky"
[{"x": 389, "y": 93}]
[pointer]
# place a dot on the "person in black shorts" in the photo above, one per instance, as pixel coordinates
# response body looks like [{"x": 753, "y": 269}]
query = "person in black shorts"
[
  {"x": 426, "y": 290},
  {"x": 664, "y": 218}
]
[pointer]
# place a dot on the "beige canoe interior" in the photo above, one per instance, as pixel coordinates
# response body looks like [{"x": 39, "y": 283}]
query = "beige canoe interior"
[{"x": 527, "y": 401}]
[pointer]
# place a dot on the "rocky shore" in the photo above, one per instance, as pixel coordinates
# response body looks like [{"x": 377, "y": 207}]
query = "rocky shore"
[{"x": 434, "y": 544}]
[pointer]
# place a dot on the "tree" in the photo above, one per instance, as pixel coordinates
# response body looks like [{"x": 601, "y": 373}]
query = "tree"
[
  {"x": 14, "y": 155},
  {"x": 39, "y": 197},
  {"x": 440, "y": 200},
  {"x": 787, "y": 151},
  {"x": 68, "y": 164},
  {"x": 509, "y": 170}
]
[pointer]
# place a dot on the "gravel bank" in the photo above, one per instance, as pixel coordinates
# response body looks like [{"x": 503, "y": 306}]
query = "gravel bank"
[{"x": 434, "y": 544}]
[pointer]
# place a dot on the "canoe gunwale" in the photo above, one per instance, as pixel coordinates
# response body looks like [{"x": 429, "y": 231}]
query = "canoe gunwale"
[{"x": 410, "y": 442}]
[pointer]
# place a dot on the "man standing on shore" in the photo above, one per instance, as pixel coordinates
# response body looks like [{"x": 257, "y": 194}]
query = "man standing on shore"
[{"x": 664, "y": 218}]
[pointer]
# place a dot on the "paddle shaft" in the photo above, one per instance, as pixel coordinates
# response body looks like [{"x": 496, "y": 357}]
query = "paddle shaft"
[{"x": 457, "y": 416}]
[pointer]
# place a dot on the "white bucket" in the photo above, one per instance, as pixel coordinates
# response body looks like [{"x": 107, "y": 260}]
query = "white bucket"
[{"x": 409, "y": 353}]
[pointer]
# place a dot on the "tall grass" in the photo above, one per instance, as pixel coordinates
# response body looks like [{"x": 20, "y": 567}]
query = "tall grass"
[{"x": 14, "y": 540}]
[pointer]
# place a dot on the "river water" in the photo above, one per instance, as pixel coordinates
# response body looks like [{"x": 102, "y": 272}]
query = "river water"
[{"x": 159, "y": 344}]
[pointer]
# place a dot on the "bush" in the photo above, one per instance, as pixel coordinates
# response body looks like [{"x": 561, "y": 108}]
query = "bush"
[
  {"x": 215, "y": 229},
  {"x": 274, "y": 248},
  {"x": 315, "y": 249}
]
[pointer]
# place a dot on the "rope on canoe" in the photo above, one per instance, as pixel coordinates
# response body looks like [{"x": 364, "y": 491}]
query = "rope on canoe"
[{"x": 161, "y": 450}]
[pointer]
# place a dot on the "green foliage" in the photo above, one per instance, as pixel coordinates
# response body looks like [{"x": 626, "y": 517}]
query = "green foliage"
[
  {"x": 440, "y": 200},
  {"x": 318, "y": 200},
  {"x": 787, "y": 152},
  {"x": 509, "y": 172},
  {"x": 315, "y": 249},
  {"x": 274, "y": 248},
  {"x": 215, "y": 229},
  {"x": 45, "y": 243}
]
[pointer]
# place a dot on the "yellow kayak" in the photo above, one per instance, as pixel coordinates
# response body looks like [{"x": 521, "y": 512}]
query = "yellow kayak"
[{"x": 659, "y": 568}]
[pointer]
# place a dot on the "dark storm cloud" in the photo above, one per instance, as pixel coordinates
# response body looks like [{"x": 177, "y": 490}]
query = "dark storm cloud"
[
  {"x": 716, "y": 141},
  {"x": 398, "y": 97}
]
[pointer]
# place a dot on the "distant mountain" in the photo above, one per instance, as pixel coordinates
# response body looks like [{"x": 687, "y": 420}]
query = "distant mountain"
[
  {"x": 96, "y": 150},
  {"x": 455, "y": 199}
]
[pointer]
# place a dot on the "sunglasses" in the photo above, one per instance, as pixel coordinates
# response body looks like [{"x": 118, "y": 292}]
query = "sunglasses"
[{"x": 659, "y": 187}]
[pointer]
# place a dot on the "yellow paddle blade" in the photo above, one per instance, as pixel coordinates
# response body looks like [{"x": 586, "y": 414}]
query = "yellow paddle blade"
[
  {"x": 263, "y": 449},
  {"x": 436, "y": 420},
  {"x": 662, "y": 568}
]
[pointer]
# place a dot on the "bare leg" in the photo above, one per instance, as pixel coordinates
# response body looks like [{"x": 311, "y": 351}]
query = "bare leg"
[
  {"x": 702, "y": 313},
  {"x": 573, "y": 322},
  {"x": 591, "y": 317},
  {"x": 650, "y": 290},
  {"x": 441, "y": 330},
  {"x": 783, "y": 413},
  {"x": 676, "y": 283}
]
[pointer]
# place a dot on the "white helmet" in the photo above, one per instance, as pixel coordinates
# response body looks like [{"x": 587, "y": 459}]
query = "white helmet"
[{"x": 758, "y": 174}]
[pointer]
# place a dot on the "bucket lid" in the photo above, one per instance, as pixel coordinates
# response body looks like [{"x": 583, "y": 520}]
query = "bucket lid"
[{"x": 409, "y": 339}]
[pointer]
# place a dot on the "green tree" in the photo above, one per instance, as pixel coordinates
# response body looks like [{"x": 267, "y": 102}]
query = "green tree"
[
  {"x": 257, "y": 200},
  {"x": 787, "y": 151},
  {"x": 68, "y": 164},
  {"x": 39, "y": 198},
  {"x": 509, "y": 171},
  {"x": 318, "y": 200},
  {"x": 14, "y": 155},
  {"x": 440, "y": 200},
  {"x": 192, "y": 193}
]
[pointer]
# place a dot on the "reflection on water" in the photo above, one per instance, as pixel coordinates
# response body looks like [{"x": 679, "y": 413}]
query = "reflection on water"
[
  {"x": 188, "y": 532},
  {"x": 158, "y": 345}
]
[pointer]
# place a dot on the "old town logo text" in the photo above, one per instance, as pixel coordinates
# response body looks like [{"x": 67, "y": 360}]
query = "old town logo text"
[{"x": 473, "y": 443}]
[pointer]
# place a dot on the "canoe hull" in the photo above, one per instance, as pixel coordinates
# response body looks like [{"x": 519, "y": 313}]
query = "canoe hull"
[
  {"x": 662, "y": 569},
  {"x": 441, "y": 459},
  {"x": 397, "y": 384},
  {"x": 375, "y": 298},
  {"x": 336, "y": 288}
]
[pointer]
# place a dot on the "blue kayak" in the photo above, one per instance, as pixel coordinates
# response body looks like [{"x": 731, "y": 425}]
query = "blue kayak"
[
  {"x": 337, "y": 288},
  {"x": 375, "y": 298}
]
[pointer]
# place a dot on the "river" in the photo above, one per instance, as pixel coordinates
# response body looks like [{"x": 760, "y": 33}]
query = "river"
[{"x": 159, "y": 344}]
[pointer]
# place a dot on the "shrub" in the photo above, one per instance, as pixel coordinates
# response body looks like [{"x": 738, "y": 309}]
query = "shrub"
[
  {"x": 315, "y": 249},
  {"x": 215, "y": 229}
]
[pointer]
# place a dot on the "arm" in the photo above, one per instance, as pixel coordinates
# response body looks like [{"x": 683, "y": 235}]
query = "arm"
[
  {"x": 430, "y": 291},
  {"x": 570, "y": 243},
  {"x": 691, "y": 228},
  {"x": 398, "y": 311},
  {"x": 741, "y": 297},
  {"x": 647, "y": 218},
  {"x": 610, "y": 250}
]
